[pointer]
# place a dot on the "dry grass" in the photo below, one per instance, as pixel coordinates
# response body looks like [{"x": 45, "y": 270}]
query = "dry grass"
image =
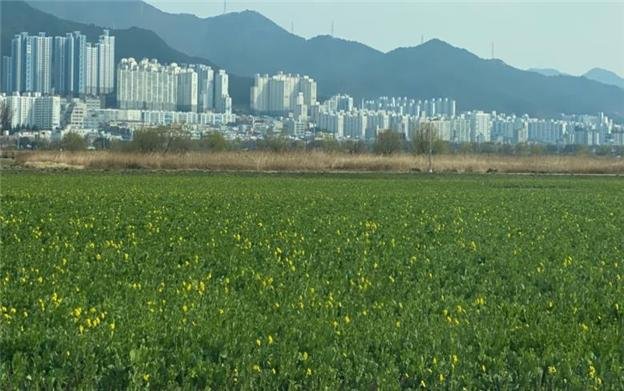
[{"x": 320, "y": 162}]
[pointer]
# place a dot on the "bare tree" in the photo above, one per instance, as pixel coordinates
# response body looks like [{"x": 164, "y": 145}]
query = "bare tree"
[
  {"x": 425, "y": 140},
  {"x": 388, "y": 142},
  {"x": 6, "y": 115}
]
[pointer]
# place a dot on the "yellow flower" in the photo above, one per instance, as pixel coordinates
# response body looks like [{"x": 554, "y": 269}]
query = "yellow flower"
[
  {"x": 256, "y": 368},
  {"x": 258, "y": 342},
  {"x": 454, "y": 360},
  {"x": 308, "y": 372},
  {"x": 473, "y": 246},
  {"x": 591, "y": 371},
  {"x": 270, "y": 339},
  {"x": 441, "y": 378},
  {"x": 146, "y": 377},
  {"x": 552, "y": 370},
  {"x": 304, "y": 356}
]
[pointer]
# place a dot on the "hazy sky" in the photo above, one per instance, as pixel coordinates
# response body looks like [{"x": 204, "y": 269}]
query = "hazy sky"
[{"x": 571, "y": 36}]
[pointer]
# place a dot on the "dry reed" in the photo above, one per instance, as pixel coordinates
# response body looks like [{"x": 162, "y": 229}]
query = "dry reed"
[{"x": 320, "y": 162}]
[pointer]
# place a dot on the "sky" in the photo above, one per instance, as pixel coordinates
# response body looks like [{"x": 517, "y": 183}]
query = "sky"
[{"x": 570, "y": 36}]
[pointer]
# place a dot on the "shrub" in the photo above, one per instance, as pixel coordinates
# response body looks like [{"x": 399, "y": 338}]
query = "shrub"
[
  {"x": 214, "y": 142},
  {"x": 388, "y": 142},
  {"x": 73, "y": 142}
]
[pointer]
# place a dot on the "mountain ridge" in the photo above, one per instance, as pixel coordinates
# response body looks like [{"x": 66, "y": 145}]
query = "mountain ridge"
[
  {"x": 255, "y": 44},
  {"x": 547, "y": 72},
  {"x": 605, "y": 76}
]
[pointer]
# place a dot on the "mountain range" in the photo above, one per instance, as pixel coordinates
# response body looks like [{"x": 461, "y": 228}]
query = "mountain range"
[
  {"x": 604, "y": 76},
  {"x": 597, "y": 74},
  {"x": 246, "y": 43}
]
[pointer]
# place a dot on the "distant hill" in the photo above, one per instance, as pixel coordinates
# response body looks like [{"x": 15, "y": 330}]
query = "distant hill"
[
  {"x": 596, "y": 74},
  {"x": 605, "y": 77},
  {"x": 547, "y": 72},
  {"x": 247, "y": 43},
  {"x": 18, "y": 16}
]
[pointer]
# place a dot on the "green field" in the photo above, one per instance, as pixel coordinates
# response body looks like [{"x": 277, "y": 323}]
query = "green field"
[{"x": 115, "y": 280}]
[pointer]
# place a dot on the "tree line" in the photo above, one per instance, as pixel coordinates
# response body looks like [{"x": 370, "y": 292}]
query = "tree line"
[{"x": 424, "y": 142}]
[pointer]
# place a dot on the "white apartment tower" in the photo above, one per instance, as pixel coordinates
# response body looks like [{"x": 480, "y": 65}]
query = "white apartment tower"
[
  {"x": 148, "y": 85},
  {"x": 222, "y": 100},
  {"x": 481, "y": 127},
  {"x": 32, "y": 110},
  {"x": 106, "y": 63},
  {"x": 187, "y": 90},
  {"x": 43, "y": 64},
  {"x": 62, "y": 64},
  {"x": 59, "y": 68},
  {"x": 91, "y": 70},
  {"x": 278, "y": 94},
  {"x": 205, "y": 88}
]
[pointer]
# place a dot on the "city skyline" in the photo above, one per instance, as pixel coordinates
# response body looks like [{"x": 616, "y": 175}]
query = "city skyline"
[
  {"x": 152, "y": 93},
  {"x": 523, "y": 34}
]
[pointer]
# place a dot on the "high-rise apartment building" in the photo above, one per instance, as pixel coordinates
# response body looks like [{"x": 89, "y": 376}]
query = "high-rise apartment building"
[
  {"x": 80, "y": 63},
  {"x": 27, "y": 63},
  {"x": 205, "y": 87},
  {"x": 16, "y": 63},
  {"x": 106, "y": 63},
  {"x": 59, "y": 61},
  {"x": 66, "y": 65},
  {"x": 222, "y": 100},
  {"x": 481, "y": 127},
  {"x": 428, "y": 108},
  {"x": 32, "y": 63},
  {"x": 148, "y": 85},
  {"x": 42, "y": 63},
  {"x": 91, "y": 70},
  {"x": 34, "y": 110},
  {"x": 187, "y": 90},
  {"x": 340, "y": 103},
  {"x": 278, "y": 94},
  {"x": 6, "y": 74}
]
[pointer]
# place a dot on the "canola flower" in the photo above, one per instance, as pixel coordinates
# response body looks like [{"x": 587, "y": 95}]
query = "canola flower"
[{"x": 219, "y": 281}]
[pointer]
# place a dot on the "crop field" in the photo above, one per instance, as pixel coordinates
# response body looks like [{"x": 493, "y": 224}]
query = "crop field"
[{"x": 195, "y": 280}]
